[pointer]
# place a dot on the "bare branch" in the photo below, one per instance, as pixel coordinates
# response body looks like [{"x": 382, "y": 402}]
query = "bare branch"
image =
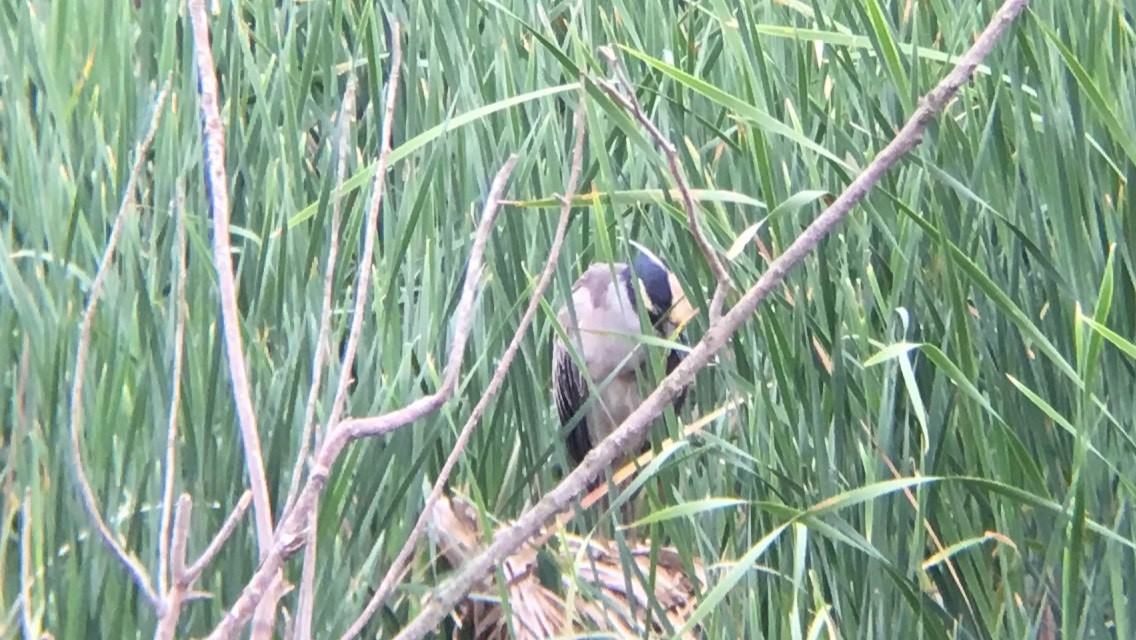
[
  {"x": 181, "y": 540},
  {"x": 172, "y": 427},
  {"x": 214, "y": 547},
  {"x": 218, "y": 182},
  {"x": 321, "y": 351},
  {"x": 90, "y": 503},
  {"x": 387, "y": 422},
  {"x": 167, "y": 624},
  {"x": 399, "y": 565},
  {"x": 363, "y": 286},
  {"x": 303, "y": 622},
  {"x": 635, "y": 426},
  {"x": 291, "y": 534},
  {"x": 631, "y": 104},
  {"x": 183, "y": 577}
]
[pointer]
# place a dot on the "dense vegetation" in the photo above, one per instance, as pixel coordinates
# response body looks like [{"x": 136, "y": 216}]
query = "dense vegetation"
[{"x": 972, "y": 322}]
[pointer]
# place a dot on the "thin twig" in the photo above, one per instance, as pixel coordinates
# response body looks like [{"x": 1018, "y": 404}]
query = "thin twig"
[
  {"x": 400, "y": 563},
  {"x": 631, "y": 104},
  {"x": 302, "y": 629},
  {"x": 213, "y": 157},
  {"x": 218, "y": 182},
  {"x": 90, "y": 503},
  {"x": 509, "y": 539},
  {"x": 181, "y": 540},
  {"x": 321, "y": 351},
  {"x": 363, "y": 286},
  {"x": 183, "y": 577},
  {"x": 167, "y": 625},
  {"x": 218, "y": 541},
  {"x": 291, "y": 535},
  {"x": 182, "y": 309},
  {"x": 303, "y": 620}
]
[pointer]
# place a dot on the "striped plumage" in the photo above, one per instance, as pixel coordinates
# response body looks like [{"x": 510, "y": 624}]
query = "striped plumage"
[{"x": 605, "y": 299}]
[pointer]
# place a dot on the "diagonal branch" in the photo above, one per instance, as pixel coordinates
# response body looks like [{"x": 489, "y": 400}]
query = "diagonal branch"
[
  {"x": 291, "y": 535},
  {"x": 321, "y": 351},
  {"x": 193, "y": 571},
  {"x": 631, "y": 104},
  {"x": 183, "y": 577},
  {"x": 636, "y": 425},
  {"x": 218, "y": 186},
  {"x": 363, "y": 287},
  {"x": 303, "y": 620},
  {"x": 398, "y": 567},
  {"x": 86, "y": 493}
]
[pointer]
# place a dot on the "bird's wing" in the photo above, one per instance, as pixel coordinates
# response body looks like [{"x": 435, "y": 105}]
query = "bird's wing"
[
  {"x": 591, "y": 297},
  {"x": 571, "y": 392}
]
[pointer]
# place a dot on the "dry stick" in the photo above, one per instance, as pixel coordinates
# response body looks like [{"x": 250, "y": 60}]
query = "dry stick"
[
  {"x": 182, "y": 578},
  {"x": 302, "y": 626},
  {"x": 303, "y": 621},
  {"x": 218, "y": 182},
  {"x": 379, "y": 425},
  {"x": 90, "y": 503},
  {"x": 218, "y": 541},
  {"x": 398, "y": 567},
  {"x": 290, "y": 535},
  {"x": 172, "y": 426},
  {"x": 635, "y": 426},
  {"x": 631, "y": 104},
  {"x": 167, "y": 625},
  {"x": 321, "y": 353},
  {"x": 362, "y": 290},
  {"x": 363, "y": 286}
]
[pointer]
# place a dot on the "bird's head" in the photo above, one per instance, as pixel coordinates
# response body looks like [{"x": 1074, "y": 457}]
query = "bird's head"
[{"x": 660, "y": 289}]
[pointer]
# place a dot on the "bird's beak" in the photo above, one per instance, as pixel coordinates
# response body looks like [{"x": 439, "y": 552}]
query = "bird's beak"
[{"x": 681, "y": 312}]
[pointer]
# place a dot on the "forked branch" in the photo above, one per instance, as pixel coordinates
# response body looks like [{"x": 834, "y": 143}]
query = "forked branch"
[{"x": 292, "y": 535}]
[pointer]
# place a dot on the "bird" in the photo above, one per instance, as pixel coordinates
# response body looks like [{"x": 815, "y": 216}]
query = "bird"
[{"x": 601, "y": 320}]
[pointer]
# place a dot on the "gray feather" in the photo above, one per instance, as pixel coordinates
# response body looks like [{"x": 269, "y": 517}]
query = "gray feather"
[{"x": 603, "y": 310}]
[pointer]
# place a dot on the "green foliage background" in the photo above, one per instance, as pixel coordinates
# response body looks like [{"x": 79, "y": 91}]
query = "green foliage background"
[{"x": 973, "y": 320}]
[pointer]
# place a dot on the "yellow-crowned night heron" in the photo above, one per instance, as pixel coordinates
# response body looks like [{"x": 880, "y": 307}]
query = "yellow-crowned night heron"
[{"x": 603, "y": 331}]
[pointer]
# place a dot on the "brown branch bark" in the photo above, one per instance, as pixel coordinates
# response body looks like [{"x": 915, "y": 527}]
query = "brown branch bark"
[
  {"x": 292, "y": 535},
  {"x": 181, "y": 311},
  {"x": 183, "y": 577},
  {"x": 86, "y": 493},
  {"x": 302, "y": 625},
  {"x": 214, "y": 547},
  {"x": 218, "y": 181},
  {"x": 321, "y": 352},
  {"x": 167, "y": 624},
  {"x": 303, "y": 620},
  {"x": 635, "y": 426},
  {"x": 364, "y": 284}
]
